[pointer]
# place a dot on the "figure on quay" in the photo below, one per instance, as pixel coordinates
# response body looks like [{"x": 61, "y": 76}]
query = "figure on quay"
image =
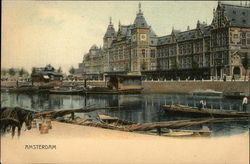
[{"x": 244, "y": 103}]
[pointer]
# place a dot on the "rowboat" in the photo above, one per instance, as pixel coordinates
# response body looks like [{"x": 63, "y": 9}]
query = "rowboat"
[
  {"x": 204, "y": 132},
  {"x": 182, "y": 110},
  {"x": 113, "y": 120}
]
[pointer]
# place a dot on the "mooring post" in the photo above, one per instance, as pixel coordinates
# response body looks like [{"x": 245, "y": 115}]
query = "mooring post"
[{"x": 72, "y": 115}]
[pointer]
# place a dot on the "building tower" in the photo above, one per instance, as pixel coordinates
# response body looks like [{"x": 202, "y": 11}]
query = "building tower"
[
  {"x": 109, "y": 35},
  {"x": 140, "y": 43}
]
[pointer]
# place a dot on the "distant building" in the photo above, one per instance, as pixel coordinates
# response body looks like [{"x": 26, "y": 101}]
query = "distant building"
[
  {"x": 46, "y": 75},
  {"x": 205, "y": 51}
]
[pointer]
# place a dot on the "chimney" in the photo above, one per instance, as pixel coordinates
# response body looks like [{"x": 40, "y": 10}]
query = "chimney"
[{"x": 188, "y": 28}]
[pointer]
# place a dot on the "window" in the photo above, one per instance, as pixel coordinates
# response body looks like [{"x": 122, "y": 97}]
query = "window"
[
  {"x": 243, "y": 38},
  {"x": 152, "y": 53},
  {"x": 143, "y": 52},
  {"x": 135, "y": 53}
]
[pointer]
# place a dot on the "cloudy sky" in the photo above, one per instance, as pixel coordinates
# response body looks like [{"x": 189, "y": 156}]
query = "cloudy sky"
[{"x": 36, "y": 33}]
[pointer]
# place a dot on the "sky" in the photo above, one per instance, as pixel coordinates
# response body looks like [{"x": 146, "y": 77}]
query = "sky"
[{"x": 36, "y": 33}]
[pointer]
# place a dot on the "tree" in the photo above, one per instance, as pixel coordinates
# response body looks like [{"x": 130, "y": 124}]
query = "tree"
[
  {"x": 3, "y": 72},
  {"x": 12, "y": 72},
  {"x": 72, "y": 70},
  {"x": 59, "y": 70},
  {"x": 245, "y": 64},
  {"x": 33, "y": 70},
  {"x": 21, "y": 72}
]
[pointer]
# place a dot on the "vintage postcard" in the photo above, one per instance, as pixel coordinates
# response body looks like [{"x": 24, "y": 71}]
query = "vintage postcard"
[{"x": 125, "y": 82}]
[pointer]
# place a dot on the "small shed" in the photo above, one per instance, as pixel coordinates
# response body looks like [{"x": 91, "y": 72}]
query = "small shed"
[
  {"x": 124, "y": 82},
  {"x": 46, "y": 76}
]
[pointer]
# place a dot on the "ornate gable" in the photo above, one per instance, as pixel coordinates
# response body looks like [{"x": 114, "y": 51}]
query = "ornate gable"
[{"x": 219, "y": 18}]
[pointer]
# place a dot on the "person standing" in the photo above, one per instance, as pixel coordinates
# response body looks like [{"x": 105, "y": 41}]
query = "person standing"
[
  {"x": 200, "y": 106},
  {"x": 204, "y": 104},
  {"x": 244, "y": 104}
]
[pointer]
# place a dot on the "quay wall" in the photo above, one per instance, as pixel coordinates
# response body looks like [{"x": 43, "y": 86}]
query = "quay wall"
[
  {"x": 187, "y": 87},
  {"x": 172, "y": 86}
]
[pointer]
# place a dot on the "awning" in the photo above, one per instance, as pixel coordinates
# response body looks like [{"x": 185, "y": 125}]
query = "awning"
[{"x": 46, "y": 76}]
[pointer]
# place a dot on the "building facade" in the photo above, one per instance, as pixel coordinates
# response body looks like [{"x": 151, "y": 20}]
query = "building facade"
[{"x": 214, "y": 50}]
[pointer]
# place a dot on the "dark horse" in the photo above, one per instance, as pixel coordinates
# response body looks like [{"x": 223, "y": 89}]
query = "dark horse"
[{"x": 15, "y": 117}]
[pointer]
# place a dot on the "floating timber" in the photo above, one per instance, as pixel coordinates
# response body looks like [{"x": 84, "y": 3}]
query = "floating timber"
[{"x": 194, "y": 111}]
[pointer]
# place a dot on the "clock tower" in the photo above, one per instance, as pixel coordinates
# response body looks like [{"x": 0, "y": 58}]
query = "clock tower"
[{"x": 140, "y": 43}]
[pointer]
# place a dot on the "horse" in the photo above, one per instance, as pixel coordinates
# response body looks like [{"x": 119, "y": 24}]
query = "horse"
[
  {"x": 16, "y": 114},
  {"x": 7, "y": 123}
]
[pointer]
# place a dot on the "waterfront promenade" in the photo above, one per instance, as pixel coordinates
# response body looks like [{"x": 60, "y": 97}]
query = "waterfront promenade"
[{"x": 82, "y": 144}]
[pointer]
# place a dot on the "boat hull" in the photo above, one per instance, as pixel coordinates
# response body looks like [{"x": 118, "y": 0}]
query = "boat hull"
[{"x": 176, "y": 110}]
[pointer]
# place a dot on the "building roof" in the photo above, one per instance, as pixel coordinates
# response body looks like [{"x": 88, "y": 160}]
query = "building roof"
[
  {"x": 110, "y": 32},
  {"x": 140, "y": 21},
  {"x": 164, "y": 40},
  {"x": 206, "y": 30},
  {"x": 47, "y": 73},
  {"x": 237, "y": 15},
  {"x": 126, "y": 30},
  {"x": 186, "y": 35},
  {"x": 94, "y": 47}
]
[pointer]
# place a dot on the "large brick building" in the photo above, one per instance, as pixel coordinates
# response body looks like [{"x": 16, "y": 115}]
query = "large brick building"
[{"x": 214, "y": 50}]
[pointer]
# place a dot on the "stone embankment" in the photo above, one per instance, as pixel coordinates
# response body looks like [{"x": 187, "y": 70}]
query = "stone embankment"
[
  {"x": 187, "y": 87},
  {"x": 178, "y": 87}
]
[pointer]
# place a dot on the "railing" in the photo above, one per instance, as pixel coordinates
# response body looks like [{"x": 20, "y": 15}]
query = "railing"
[{"x": 194, "y": 80}]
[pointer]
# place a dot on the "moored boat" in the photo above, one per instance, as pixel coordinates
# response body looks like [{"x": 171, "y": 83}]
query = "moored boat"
[
  {"x": 65, "y": 90},
  {"x": 104, "y": 90},
  {"x": 113, "y": 120},
  {"x": 234, "y": 95},
  {"x": 24, "y": 89},
  {"x": 204, "y": 132},
  {"x": 195, "y": 112},
  {"x": 207, "y": 92}
]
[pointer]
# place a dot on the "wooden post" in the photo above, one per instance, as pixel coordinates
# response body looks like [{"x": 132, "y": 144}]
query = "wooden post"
[
  {"x": 85, "y": 83},
  {"x": 72, "y": 115}
]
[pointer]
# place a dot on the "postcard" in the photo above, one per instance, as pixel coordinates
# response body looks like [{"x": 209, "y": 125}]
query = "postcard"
[{"x": 125, "y": 82}]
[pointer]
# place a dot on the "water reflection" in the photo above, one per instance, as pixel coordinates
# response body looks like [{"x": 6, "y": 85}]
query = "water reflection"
[{"x": 135, "y": 108}]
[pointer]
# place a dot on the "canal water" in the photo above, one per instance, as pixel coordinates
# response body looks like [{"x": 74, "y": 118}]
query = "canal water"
[{"x": 141, "y": 108}]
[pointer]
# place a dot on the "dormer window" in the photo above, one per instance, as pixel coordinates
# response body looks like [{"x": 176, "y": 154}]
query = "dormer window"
[
  {"x": 244, "y": 21},
  {"x": 243, "y": 13},
  {"x": 234, "y": 11},
  {"x": 233, "y": 19}
]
